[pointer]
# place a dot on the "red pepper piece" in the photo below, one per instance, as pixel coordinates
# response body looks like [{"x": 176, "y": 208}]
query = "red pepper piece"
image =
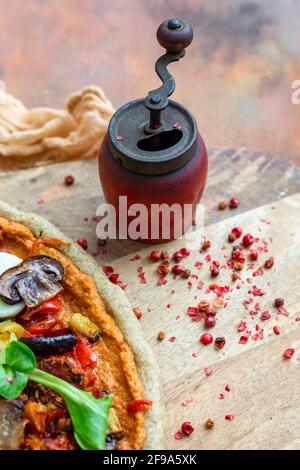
[
  {"x": 51, "y": 306},
  {"x": 139, "y": 405},
  {"x": 41, "y": 328},
  {"x": 84, "y": 354}
]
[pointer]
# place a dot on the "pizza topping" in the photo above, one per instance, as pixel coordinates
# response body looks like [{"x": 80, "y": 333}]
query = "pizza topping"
[
  {"x": 84, "y": 326},
  {"x": 12, "y": 424},
  {"x": 45, "y": 346},
  {"x": 34, "y": 281},
  {"x": 20, "y": 363},
  {"x": 84, "y": 354},
  {"x": 139, "y": 405},
  {"x": 11, "y": 327}
]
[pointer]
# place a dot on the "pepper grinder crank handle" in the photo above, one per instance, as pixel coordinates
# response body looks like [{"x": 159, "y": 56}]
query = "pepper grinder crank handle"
[{"x": 174, "y": 35}]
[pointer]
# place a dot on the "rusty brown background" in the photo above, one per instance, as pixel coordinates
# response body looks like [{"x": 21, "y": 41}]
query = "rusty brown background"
[{"x": 236, "y": 77}]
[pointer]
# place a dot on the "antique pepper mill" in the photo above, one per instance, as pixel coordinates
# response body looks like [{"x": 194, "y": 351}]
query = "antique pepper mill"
[{"x": 153, "y": 152}]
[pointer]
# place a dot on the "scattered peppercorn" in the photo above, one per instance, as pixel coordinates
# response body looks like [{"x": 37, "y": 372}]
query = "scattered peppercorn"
[
  {"x": 231, "y": 237},
  {"x": 215, "y": 268},
  {"x": 187, "y": 428},
  {"x": 205, "y": 246},
  {"x": 155, "y": 255},
  {"x": 229, "y": 417},
  {"x": 210, "y": 322},
  {"x": 253, "y": 255},
  {"x": 161, "y": 336},
  {"x": 269, "y": 263},
  {"x": 209, "y": 424},
  {"x": 279, "y": 302},
  {"x": 177, "y": 256},
  {"x": 276, "y": 330},
  {"x": 186, "y": 273},
  {"x": 114, "y": 278},
  {"x": 235, "y": 277},
  {"x": 177, "y": 269},
  {"x": 220, "y": 342},
  {"x": 163, "y": 269},
  {"x": 248, "y": 240},
  {"x": 138, "y": 313},
  {"x": 165, "y": 256},
  {"x": 69, "y": 180},
  {"x": 234, "y": 203},
  {"x": 203, "y": 306},
  {"x": 83, "y": 243},
  {"x": 185, "y": 252},
  {"x": 222, "y": 205},
  {"x": 238, "y": 266},
  {"x": 237, "y": 231},
  {"x": 206, "y": 339},
  {"x": 288, "y": 353}
]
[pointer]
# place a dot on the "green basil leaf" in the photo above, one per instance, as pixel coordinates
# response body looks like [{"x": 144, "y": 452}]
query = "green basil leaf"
[
  {"x": 20, "y": 357},
  {"x": 12, "y": 382},
  {"x": 89, "y": 415}
]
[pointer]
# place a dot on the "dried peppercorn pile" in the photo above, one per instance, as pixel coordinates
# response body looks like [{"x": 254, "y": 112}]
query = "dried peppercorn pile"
[{"x": 224, "y": 322}]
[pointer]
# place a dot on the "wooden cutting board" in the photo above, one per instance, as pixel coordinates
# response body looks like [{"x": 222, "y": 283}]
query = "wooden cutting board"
[
  {"x": 264, "y": 389},
  {"x": 264, "y": 395}
]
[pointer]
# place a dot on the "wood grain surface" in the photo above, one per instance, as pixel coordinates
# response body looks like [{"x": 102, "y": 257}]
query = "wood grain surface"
[
  {"x": 236, "y": 77},
  {"x": 264, "y": 389}
]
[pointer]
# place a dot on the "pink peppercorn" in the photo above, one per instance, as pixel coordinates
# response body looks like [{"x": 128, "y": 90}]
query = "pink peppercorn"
[
  {"x": 114, "y": 278},
  {"x": 108, "y": 270},
  {"x": 187, "y": 428},
  {"x": 234, "y": 203},
  {"x": 138, "y": 313},
  {"x": 220, "y": 342},
  {"x": 177, "y": 269},
  {"x": 288, "y": 353},
  {"x": 206, "y": 339},
  {"x": 83, "y": 243},
  {"x": 185, "y": 252},
  {"x": 253, "y": 254},
  {"x": 69, "y": 180},
  {"x": 210, "y": 322},
  {"x": 155, "y": 255},
  {"x": 177, "y": 256},
  {"x": 248, "y": 240},
  {"x": 237, "y": 231},
  {"x": 229, "y": 417},
  {"x": 276, "y": 330}
]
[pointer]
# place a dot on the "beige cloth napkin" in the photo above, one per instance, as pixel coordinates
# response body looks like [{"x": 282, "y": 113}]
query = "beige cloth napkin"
[{"x": 52, "y": 134}]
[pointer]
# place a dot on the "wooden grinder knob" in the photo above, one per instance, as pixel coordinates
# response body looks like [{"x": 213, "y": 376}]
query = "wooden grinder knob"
[{"x": 175, "y": 35}]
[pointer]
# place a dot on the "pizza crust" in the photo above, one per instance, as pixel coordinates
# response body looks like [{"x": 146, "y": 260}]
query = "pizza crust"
[{"x": 119, "y": 307}]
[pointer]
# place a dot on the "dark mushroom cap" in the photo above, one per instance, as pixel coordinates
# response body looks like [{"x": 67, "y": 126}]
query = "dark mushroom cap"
[{"x": 35, "y": 280}]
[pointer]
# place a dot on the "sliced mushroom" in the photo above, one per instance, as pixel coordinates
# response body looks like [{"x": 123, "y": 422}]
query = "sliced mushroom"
[
  {"x": 8, "y": 291},
  {"x": 47, "y": 264},
  {"x": 37, "y": 287},
  {"x": 12, "y": 424},
  {"x": 35, "y": 280}
]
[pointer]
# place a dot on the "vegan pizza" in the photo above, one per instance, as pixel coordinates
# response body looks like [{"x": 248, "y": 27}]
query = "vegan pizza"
[{"x": 75, "y": 372}]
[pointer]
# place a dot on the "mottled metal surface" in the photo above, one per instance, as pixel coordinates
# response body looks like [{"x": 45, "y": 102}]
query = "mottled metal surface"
[{"x": 236, "y": 77}]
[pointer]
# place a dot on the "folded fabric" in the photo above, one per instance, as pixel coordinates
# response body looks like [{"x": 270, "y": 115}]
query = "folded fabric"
[{"x": 51, "y": 134}]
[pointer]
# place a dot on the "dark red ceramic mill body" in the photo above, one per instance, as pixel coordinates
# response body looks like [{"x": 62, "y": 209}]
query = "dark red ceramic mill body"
[{"x": 153, "y": 152}]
